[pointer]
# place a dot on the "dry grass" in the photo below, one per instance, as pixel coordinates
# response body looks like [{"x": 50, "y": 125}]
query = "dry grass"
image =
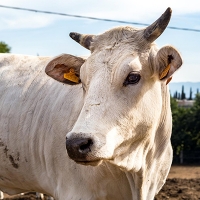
[{"x": 184, "y": 172}]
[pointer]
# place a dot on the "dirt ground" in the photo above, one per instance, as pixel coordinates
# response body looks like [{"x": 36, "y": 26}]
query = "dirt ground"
[{"x": 183, "y": 183}]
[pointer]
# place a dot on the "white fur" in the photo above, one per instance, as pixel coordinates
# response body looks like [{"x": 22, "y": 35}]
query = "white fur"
[{"x": 1, "y": 195}]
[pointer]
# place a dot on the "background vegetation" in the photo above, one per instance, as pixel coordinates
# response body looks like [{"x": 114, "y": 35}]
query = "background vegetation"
[
  {"x": 186, "y": 132},
  {"x": 4, "y": 48}
]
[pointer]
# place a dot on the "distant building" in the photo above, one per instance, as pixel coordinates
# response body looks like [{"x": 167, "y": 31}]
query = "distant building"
[{"x": 185, "y": 103}]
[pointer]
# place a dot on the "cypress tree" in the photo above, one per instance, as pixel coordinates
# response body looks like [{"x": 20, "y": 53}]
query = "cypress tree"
[
  {"x": 190, "y": 98},
  {"x": 183, "y": 93},
  {"x": 176, "y": 95}
]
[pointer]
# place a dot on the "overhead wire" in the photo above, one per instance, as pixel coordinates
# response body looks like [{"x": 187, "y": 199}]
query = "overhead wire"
[{"x": 93, "y": 18}]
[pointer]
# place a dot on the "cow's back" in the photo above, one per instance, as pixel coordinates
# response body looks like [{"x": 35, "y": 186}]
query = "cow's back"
[{"x": 21, "y": 79}]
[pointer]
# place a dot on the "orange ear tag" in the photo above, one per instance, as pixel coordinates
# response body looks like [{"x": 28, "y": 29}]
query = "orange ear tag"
[
  {"x": 168, "y": 80},
  {"x": 71, "y": 76},
  {"x": 165, "y": 71}
]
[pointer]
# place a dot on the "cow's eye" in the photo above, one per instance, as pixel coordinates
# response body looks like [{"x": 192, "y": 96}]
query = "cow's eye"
[{"x": 132, "y": 78}]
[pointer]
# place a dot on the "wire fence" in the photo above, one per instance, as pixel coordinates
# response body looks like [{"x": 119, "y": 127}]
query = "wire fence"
[
  {"x": 192, "y": 157},
  {"x": 93, "y": 18}
]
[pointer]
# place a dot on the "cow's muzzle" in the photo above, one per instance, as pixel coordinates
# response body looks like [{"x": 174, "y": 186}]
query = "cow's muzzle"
[{"x": 78, "y": 148}]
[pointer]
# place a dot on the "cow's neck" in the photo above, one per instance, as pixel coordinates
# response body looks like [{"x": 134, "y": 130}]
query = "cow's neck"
[{"x": 147, "y": 182}]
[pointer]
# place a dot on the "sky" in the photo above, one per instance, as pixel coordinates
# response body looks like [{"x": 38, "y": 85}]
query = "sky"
[{"x": 33, "y": 33}]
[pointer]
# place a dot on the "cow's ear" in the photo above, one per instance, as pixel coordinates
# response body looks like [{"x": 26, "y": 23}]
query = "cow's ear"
[
  {"x": 65, "y": 68},
  {"x": 167, "y": 61}
]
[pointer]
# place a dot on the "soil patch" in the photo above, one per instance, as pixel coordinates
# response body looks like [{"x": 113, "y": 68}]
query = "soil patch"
[{"x": 178, "y": 189}]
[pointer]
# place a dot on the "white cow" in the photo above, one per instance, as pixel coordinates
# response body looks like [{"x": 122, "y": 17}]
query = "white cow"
[{"x": 113, "y": 107}]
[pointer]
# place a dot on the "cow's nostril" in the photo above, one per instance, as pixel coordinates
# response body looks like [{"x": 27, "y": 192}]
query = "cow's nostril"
[
  {"x": 78, "y": 148},
  {"x": 86, "y": 146}
]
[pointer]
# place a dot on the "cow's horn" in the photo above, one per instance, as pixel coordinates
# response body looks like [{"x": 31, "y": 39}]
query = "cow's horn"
[
  {"x": 153, "y": 31},
  {"x": 84, "y": 40}
]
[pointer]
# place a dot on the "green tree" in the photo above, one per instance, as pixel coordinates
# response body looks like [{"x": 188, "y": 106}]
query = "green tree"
[
  {"x": 179, "y": 96},
  {"x": 190, "y": 98},
  {"x": 186, "y": 128},
  {"x": 183, "y": 93},
  {"x": 195, "y": 122},
  {"x": 180, "y": 136},
  {"x": 175, "y": 95},
  {"x": 4, "y": 48}
]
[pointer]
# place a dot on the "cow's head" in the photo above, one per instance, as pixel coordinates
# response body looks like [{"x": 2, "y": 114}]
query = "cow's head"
[{"x": 122, "y": 81}]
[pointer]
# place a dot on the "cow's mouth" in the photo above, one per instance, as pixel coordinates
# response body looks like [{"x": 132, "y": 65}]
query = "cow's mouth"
[{"x": 91, "y": 163}]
